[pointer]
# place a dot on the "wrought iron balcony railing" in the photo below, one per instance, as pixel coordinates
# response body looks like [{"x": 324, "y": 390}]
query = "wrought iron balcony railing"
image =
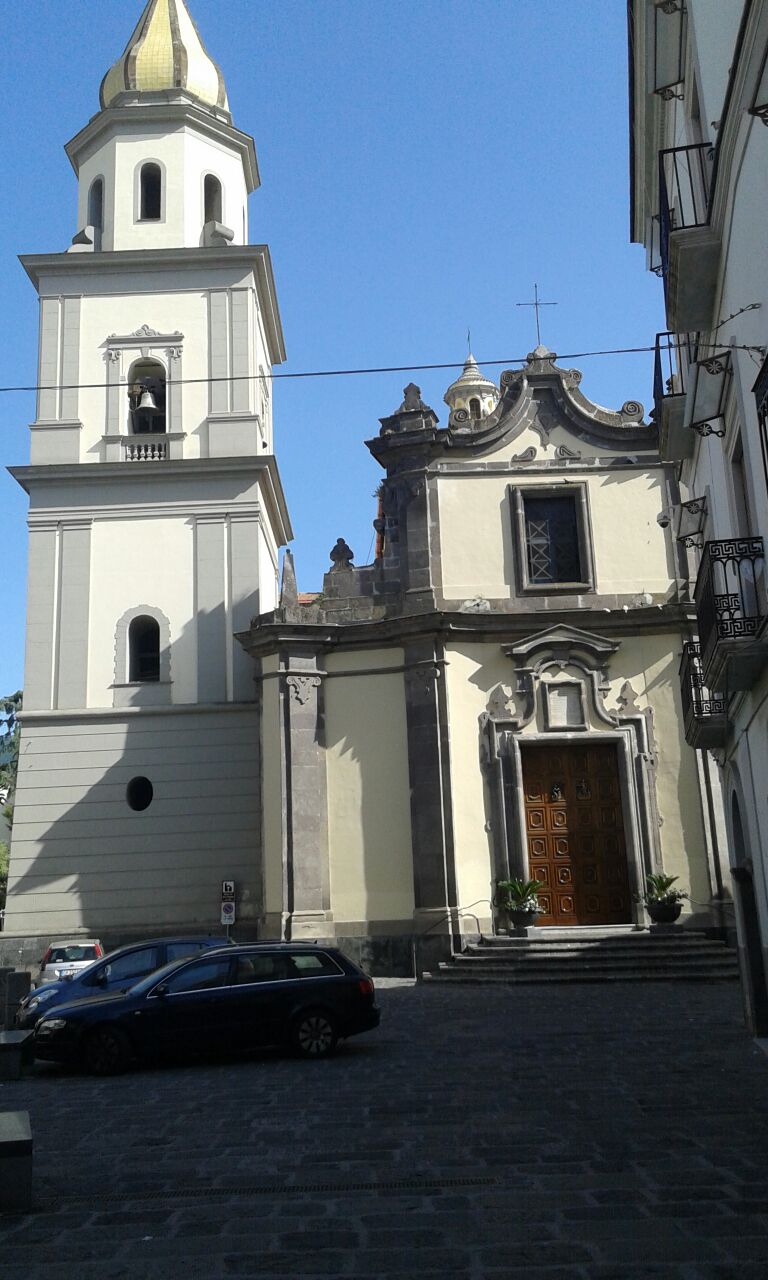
[
  {"x": 675, "y": 352},
  {"x": 685, "y": 179},
  {"x": 731, "y": 607},
  {"x": 704, "y": 713}
]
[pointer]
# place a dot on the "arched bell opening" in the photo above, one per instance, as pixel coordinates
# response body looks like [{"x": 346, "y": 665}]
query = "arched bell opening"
[
  {"x": 147, "y": 397},
  {"x": 96, "y": 211},
  {"x": 474, "y": 408},
  {"x": 150, "y": 193},
  {"x": 212, "y": 194}
]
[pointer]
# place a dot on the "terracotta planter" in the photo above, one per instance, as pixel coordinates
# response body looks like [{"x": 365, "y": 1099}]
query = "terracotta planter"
[{"x": 663, "y": 912}]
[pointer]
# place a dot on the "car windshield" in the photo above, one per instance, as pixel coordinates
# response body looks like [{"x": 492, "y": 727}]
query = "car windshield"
[{"x": 71, "y": 955}]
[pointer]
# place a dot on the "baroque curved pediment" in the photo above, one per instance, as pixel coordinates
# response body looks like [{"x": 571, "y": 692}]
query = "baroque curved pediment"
[{"x": 542, "y": 397}]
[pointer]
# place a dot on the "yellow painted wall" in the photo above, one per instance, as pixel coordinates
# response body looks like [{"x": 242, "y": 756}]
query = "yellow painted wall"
[
  {"x": 272, "y": 792},
  {"x": 369, "y": 826},
  {"x": 649, "y": 663},
  {"x": 476, "y": 511},
  {"x": 471, "y": 672}
]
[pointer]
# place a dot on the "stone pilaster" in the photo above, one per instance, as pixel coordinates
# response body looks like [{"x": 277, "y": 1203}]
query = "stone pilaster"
[
  {"x": 306, "y": 876},
  {"x": 429, "y": 769}
]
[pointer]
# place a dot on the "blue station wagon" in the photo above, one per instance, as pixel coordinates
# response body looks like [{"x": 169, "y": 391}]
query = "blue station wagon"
[{"x": 117, "y": 971}]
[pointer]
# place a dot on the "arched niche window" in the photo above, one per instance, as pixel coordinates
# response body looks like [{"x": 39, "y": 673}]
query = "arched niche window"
[
  {"x": 474, "y": 407},
  {"x": 150, "y": 192},
  {"x": 147, "y": 397},
  {"x": 142, "y": 658},
  {"x": 212, "y": 199},
  {"x": 96, "y": 211},
  {"x": 143, "y": 650}
]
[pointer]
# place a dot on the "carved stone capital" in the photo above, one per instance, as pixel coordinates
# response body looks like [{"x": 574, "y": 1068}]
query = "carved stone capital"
[{"x": 301, "y": 687}]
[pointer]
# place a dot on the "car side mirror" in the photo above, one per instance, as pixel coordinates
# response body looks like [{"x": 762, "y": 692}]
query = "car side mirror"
[
  {"x": 102, "y": 979},
  {"x": 162, "y": 990}
]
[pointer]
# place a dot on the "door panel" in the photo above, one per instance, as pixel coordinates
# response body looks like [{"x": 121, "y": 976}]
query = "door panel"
[
  {"x": 575, "y": 834},
  {"x": 194, "y": 1014}
]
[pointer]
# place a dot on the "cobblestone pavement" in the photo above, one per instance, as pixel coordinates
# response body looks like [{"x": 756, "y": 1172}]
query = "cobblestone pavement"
[{"x": 564, "y": 1133}]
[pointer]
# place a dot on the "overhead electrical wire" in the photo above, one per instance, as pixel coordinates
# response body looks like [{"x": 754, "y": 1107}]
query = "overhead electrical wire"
[{"x": 348, "y": 373}]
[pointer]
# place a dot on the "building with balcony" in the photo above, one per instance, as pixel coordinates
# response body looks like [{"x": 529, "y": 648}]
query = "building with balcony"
[{"x": 698, "y": 171}]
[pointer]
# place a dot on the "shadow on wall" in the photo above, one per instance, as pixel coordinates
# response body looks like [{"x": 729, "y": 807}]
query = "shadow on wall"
[
  {"x": 369, "y": 798},
  {"x": 127, "y": 824},
  {"x": 677, "y": 769}
]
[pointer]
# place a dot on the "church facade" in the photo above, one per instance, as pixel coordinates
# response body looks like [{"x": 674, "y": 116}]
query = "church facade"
[{"x": 495, "y": 695}]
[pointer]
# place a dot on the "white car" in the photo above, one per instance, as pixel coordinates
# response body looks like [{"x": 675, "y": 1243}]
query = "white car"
[{"x": 65, "y": 959}]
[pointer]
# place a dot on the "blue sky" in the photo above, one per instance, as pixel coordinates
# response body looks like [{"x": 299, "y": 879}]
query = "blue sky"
[{"x": 422, "y": 164}]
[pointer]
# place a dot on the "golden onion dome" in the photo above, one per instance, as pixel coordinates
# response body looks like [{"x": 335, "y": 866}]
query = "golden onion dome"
[{"x": 165, "y": 52}]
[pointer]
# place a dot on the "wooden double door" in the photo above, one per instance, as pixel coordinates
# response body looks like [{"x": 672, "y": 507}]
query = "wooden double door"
[{"x": 575, "y": 834}]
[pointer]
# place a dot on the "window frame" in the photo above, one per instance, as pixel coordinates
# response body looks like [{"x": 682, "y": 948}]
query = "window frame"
[
  {"x": 127, "y": 977},
  {"x": 136, "y": 654},
  {"x": 98, "y": 183},
  {"x": 221, "y": 220},
  {"x": 138, "y": 217},
  {"x": 579, "y": 491},
  {"x": 191, "y": 991},
  {"x": 154, "y": 692}
]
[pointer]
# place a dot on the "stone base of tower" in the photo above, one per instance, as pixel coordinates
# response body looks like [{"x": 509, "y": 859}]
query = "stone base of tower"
[{"x": 83, "y": 860}]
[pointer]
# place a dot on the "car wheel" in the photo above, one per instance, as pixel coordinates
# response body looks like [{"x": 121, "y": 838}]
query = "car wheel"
[
  {"x": 314, "y": 1034},
  {"x": 106, "y": 1052}
]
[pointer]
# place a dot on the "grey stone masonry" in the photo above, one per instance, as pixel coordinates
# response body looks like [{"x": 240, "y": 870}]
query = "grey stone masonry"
[
  {"x": 428, "y": 744},
  {"x": 306, "y": 887}
]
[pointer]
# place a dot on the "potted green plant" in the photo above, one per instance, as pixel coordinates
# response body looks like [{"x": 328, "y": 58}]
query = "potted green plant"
[
  {"x": 661, "y": 901},
  {"x": 520, "y": 900}
]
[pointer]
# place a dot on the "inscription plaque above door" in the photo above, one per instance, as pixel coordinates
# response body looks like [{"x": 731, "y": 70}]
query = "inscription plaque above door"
[{"x": 575, "y": 834}]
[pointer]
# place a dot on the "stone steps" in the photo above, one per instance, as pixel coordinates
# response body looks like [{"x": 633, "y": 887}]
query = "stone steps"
[{"x": 634, "y": 956}]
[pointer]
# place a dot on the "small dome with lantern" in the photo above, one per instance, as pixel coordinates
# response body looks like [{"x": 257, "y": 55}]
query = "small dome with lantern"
[
  {"x": 472, "y": 396},
  {"x": 165, "y": 52}
]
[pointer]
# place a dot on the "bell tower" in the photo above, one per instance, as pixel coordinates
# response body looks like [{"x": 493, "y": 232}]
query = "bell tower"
[{"x": 156, "y": 513}]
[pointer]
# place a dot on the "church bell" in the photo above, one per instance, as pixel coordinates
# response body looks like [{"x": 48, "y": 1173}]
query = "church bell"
[{"x": 147, "y": 403}]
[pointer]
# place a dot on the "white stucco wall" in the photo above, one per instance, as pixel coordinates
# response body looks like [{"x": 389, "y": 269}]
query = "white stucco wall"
[
  {"x": 81, "y": 859},
  {"x": 141, "y": 562},
  {"x": 185, "y": 157}
]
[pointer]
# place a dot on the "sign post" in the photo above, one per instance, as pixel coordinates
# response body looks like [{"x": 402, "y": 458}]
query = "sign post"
[{"x": 228, "y": 913}]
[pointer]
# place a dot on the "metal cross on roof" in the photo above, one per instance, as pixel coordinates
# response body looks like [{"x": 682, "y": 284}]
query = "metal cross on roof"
[{"x": 536, "y": 304}]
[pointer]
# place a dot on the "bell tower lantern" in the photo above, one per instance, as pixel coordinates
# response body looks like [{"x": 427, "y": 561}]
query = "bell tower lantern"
[{"x": 161, "y": 165}]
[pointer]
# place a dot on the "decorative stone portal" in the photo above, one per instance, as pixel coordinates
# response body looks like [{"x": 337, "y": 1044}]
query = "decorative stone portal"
[{"x": 575, "y": 833}]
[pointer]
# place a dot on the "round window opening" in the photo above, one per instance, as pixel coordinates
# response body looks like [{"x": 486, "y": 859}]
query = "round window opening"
[{"x": 139, "y": 793}]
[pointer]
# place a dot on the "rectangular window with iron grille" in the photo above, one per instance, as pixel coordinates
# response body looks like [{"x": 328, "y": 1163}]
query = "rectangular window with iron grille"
[
  {"x": 553, "y": 546},
  {"x": 552, "y": 540}
]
